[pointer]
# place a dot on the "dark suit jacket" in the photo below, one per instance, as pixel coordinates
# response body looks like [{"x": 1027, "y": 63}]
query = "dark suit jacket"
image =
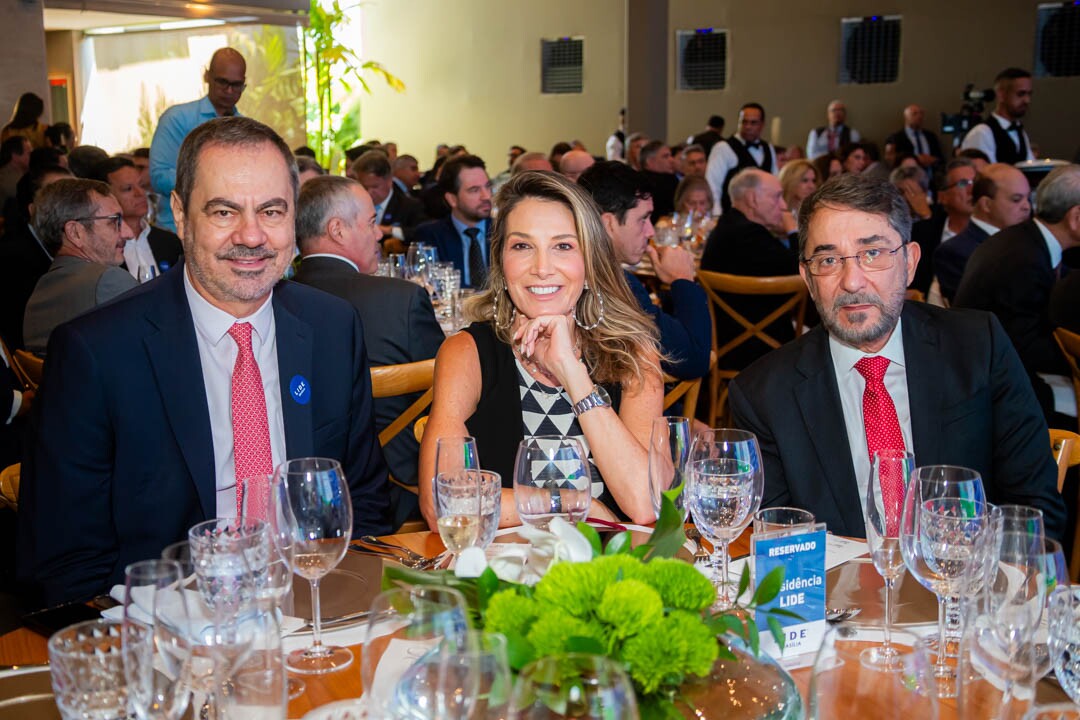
[
  {"x": 706, "y": 140},
  {"x": 1065, "y": 302},
  {"x": 739, "y": 246},
  {"x": 22, "y": 263},
  {"x": 166, "y": 247},
  {"x": 970, "y": 403},
  {"x": 405, "y": 212},
  {"x": 399, "y": 327},
  {"x": 1010, "y": 275},
  {"x": 684, "y": 325},
  {"x": 663, "y": 192},
  {"x": 927, "y": 234},
  {"x": 123, "y": 459},
  {"x": 951, "y": 257},
  {"x": 445, "y": 238},
  {"x": 904, "y": 146}
]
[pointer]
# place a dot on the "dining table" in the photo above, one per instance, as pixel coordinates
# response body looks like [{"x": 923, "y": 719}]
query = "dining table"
[{"x": 853, "y": 581}]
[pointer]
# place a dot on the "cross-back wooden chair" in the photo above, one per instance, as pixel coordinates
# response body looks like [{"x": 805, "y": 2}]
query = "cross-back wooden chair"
[
  {"x": 1065, "y": 447},
  {"x": 1069, "y": 342},
  {"x": 791, "y": 301},
  {"x": 689, "y": 390}
]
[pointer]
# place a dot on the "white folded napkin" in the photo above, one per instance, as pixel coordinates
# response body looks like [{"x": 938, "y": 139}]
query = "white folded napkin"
[{"x": 142, "y": 609}]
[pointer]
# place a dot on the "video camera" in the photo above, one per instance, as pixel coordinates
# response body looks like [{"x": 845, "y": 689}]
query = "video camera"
[{"x": 971, "y": 113}]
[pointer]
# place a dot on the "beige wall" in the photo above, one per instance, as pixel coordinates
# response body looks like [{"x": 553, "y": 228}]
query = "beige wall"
[
  {"x": 22, "y": 36},
  {"x": 472, "y": 71},
  {"x": 785, "y": 55}
]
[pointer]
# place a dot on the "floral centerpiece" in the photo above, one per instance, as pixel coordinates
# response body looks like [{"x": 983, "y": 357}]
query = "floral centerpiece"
[{"x": 637, "y": 605}]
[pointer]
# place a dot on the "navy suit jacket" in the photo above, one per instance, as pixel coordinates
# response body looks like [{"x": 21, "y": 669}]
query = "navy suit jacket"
[
  {"x": 123, "y": 458},
  {"x": 447, "y": 240},
  {"x": 684, "y": 324},
  {"x": 951, "y": 257},
  {"x": 971, "y": 405}
]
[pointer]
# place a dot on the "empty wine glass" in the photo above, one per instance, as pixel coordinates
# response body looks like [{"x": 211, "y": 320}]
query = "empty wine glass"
[
  {"x": 1064, "y": 639},
  {"x": 318, "y": 516},
  {"x": 155, "y": 612},
  {"x": 941, "y": 530},
  {"x": 882, "y": 509},
  {"x": 574, "y": 685},
  {"x": 457, "y": 509},
  {"x": 456, "y": 452},
  {"x": 551, "y": 479},
  {"x": 413, "y": 636},
  {"x": 669, "y": 448},
  {"x": 725, "y": 481}
]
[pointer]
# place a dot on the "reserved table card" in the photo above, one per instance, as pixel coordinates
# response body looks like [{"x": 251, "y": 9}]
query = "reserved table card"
[{"x": 802, "y": 555}]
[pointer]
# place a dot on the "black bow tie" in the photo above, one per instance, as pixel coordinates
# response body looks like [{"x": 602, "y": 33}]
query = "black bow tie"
[
  {"x": 755, "y": 144},
  {"x": 1016, "y": 126}
]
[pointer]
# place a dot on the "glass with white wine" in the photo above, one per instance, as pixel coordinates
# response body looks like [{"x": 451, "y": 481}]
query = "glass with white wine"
[
  {"x": 457, "y": 507},
  {"x": 317, "y": 518}
]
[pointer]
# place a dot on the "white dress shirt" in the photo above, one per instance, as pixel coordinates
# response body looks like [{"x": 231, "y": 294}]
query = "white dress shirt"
[
  {"x": 852, "y": 385},
  {"x": 137, "y": 252},
  {"x": 380, "y": 210},
  {"x": 1052, "y": 244},
  {"x": 217, "y": 353},
  {"x": 722, "y": 159},
  {"x": 981, "y": 137},
  {"x": 817, "y": 144},
  {"x": 985, "y": 226}
]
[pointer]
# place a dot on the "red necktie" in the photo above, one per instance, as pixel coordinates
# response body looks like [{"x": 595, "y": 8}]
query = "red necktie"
[
  {"x": 251, "y": 429},
  {"x": 882, "y": 432}
]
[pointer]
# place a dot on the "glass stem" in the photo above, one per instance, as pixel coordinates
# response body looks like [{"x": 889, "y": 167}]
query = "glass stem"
[
  {"x": 890, "y": 583},
  {"x": 954, "y": 619},
  {"x": 942, "y": 637},
  {"x": 721, "y": 550},
  {"x": 316, "y": 618}
]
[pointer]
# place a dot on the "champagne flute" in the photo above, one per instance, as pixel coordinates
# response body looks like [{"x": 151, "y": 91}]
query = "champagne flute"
[
  {"x": 669, "y": 448},
  {"x": 882, "y": 509},
  {"x": 318, "y": 517},
  {"x": 725, "y": 482},
  {"x": 155, "y": 612},
  {"x": 457, "y": 507},
  {"x": 551, "y": 479},
  {"x": 574, "y": 685}
]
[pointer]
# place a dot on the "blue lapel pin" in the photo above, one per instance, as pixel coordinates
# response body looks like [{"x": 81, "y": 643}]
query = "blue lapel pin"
[{"x": 300, "y": 389}]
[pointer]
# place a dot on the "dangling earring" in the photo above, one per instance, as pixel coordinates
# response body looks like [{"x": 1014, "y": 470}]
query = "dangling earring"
[
  {"x": 600, "y": 315},
  {"x": 495, "y": 312}
]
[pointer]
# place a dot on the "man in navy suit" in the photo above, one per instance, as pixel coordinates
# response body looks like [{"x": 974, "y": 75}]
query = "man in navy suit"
[
  {"x": 150, "y": 410},
  {"x": 878, "y": 373},
  {"x": 462, "y": 238}
]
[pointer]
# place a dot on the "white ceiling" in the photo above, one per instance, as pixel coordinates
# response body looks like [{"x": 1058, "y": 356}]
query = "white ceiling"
[{"x": 61, "y": 19}]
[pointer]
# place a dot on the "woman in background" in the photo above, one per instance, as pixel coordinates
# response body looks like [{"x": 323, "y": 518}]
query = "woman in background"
[
  {"x": 26, "y": 121},
  {"x": 799, "y": 178}
]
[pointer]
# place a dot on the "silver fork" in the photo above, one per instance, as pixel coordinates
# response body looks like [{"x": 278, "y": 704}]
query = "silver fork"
[
  {"x": 700, "y": 553},
  {"x": 372, "y": 540}
]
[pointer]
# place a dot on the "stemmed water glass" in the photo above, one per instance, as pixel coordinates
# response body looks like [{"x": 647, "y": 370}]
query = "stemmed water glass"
[
  {"x": 883, "y": 506},
  {"x": 725, "y": 481},
  {"x": 573, "y": 685},
  {"x": 552, "y": 479},
  {"x": 155, "y": 612},
  {"x": 317, "y": 516},
  {"x": 413, "y": 654},
  {"x": 669, "y": 449},
  {"x": 941, "y": 531}
]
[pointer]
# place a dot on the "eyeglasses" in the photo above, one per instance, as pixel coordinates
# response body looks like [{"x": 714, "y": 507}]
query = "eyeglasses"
[
  {"x": 966, "y": 182},
  {"x": 223, "y": 84},
  {"x": 117, "y": 219},
  {"x": 870, "y": 260}
]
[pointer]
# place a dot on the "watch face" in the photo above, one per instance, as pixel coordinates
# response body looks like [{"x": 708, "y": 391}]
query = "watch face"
[{"x": 602, "y": 394}]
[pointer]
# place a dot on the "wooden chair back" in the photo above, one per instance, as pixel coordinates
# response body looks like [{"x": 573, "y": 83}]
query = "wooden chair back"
[
  {"x": 28, "y": 367},
  {"x": 688, "y": 389},
  {"x": 1065, "y": 447},
  {"x": 404, "y": 379},
  {"x": 9, "y": 486},
  {"x": 1069, "y": 342},
  {"x": 717, "y": 285}
]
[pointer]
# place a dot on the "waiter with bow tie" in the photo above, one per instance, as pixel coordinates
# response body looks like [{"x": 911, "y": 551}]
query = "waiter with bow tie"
[
  {"x": 742, "y": 150},
  {"x": 1002, "y": 136}
]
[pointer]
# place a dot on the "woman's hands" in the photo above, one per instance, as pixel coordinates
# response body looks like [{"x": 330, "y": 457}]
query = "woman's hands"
[{"x": 547, "y": 342}]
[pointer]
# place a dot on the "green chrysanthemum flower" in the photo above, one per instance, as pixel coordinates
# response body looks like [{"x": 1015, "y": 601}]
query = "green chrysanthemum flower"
[
  {"x": 510, "y": 614},
  {"x": 669, "y": 650},
  {"x": 680, "y": 584},
  {"x": 550, "y": 633},
  {"x": 578, "y": 588},
  {"x": 629, "y": 607}
]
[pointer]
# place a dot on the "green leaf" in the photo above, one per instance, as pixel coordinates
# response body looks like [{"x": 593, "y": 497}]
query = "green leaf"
[
  {"x": 669, "y": 535},
  {"x": 731, "y": 624},
  {"x": 753, "y": 636},
  {"x": 640, "y": 552},
  {"x": 786, "y": 613},
  {"x": 619, "y": 544},
  {"x": 769, "y": 587},
  {"x": 744, "y": 581},
  {"x": 724, "y": 652},
  {"x": 584, "y": 644},
  {"x": 519, "y": 651},
  {"x": 486, "y": 586},
  {"x": 777, "y": 631},
  {"x": 592, "y": 536}
]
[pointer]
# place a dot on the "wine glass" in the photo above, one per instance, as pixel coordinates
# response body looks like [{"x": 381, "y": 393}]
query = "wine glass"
[
  {"x": 317, "y": 514},
  {"x": 454, "y": 453},
  {"x": 574, "y": 685},
  {"x": 457, "y": 509},
  {"x": 413, "y": 635},
  {"x": 882, "y": 508},
  {"x": 669, "y": 448},
  {"x": 941, "y": 530},
  {"x": 551, "y": 479},
  {"x": 725, "y": 481},
  {"x": 1064, "y": 638},
  {"x": 155, "y": 612}
]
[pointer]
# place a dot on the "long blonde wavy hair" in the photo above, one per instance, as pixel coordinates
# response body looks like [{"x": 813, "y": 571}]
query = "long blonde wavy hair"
[{"x": 625, "y": 345}]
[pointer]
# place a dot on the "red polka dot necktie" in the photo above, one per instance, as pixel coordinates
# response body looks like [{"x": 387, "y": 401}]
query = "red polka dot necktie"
[
  {"x": 882, "y": 433},
  {"x": 251, "y": 429}
]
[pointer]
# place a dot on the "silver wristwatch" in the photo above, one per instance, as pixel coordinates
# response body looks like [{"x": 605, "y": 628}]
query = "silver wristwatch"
[{"x": 597, "y": 398}]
